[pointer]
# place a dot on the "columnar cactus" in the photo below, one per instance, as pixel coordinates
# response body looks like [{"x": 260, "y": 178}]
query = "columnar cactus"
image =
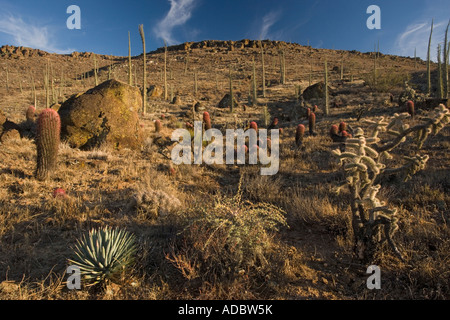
[
  {"x": 254, "y": 125},
  {"x": 299, "y": 135},
  {"x": 312, "y": 124},
  {"x": 207, "y": 120},
  {"x": 47, "y": 143},
  {"x": 342, "y": 126}
]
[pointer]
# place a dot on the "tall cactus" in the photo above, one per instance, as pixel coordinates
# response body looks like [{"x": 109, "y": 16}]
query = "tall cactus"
[
  {"x": 254, "y": 93},
  {"x": 7, "y": 78},
  {"x": 231, "y": 93},
  {"x": 47, "y": 143},
  {"x": 130, "y": 73},
  {"x": 166, "y": 93},
  {"x": 263, "y": 71},
  {"x": 440, "y": 85},
  {"x": 429, "y": 62},
  {"x": 95, "y": 71},
  {"x": 144, "y": 67},
  {"x": 327, "y": 98},
  {"x": 445, "y": 67}
]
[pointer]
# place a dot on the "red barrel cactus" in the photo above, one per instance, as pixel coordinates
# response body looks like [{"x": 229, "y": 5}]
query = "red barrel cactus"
[
  {"x": 207, "y": 120},
  {"x": 312, "y": 123},
  {"x": 410, "y": 108},
  {"x": 158, "y": 126},
  {"x": 299, "y": 134},
  {"x": 47, "y": 143}
]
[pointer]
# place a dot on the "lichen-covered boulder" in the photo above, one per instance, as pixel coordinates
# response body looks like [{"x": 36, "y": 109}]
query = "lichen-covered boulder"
[
  {"x": 226, "y": 102},
  {"x": 107, "y": 114},
  {"x": 316, "y": 91}
]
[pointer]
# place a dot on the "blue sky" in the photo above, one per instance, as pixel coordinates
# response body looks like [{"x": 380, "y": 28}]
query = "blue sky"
[{"x": 338, "y": 24}]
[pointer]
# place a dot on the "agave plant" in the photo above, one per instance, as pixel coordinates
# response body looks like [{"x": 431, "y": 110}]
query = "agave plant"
[{"x": 103, "y": 254}]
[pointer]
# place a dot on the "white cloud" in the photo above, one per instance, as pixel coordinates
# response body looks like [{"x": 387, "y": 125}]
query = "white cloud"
[
  {"x": 267, "y": 22},
  {"x": 179, "y": 13},
  {"x": 416, "y": 36},
  {"x": 28, "y": 35}
]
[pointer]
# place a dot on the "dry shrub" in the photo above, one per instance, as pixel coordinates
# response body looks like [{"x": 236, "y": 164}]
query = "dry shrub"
[
  {"x": 155, "y": 196},
  {"x": 227, "y": 239}
]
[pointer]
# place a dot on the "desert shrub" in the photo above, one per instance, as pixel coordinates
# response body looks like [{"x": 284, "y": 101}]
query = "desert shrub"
[
  {"x": 386, "y": 80},
  {"x": 155, "y": 202},
  {"x": 227, "y": 238}
]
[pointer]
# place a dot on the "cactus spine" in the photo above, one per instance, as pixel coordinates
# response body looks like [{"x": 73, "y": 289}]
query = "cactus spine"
[
  {"x": 47, "y": 143},
  {"x": 144, "y": 67}
]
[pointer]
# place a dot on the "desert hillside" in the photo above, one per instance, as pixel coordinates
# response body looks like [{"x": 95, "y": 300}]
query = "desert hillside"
[{"x": 224, "y": 231}]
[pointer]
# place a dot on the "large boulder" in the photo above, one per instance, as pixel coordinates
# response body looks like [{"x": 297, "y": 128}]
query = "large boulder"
[
  {"x": 108, "y": 113},
  {"x": 316, "y": 91},
  {"x": 8, "y": 130},
  {"x": 155, "y": 91},
  {"x": 226, "y": 101},
  {"x": 2, "y": 118}
]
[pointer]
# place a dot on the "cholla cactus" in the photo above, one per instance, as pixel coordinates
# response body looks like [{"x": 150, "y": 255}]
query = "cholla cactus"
[
  {"x": 363, "y": 164},
  {"x": 47, "y": 143},
  {"x": 103, "y": 254}
]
